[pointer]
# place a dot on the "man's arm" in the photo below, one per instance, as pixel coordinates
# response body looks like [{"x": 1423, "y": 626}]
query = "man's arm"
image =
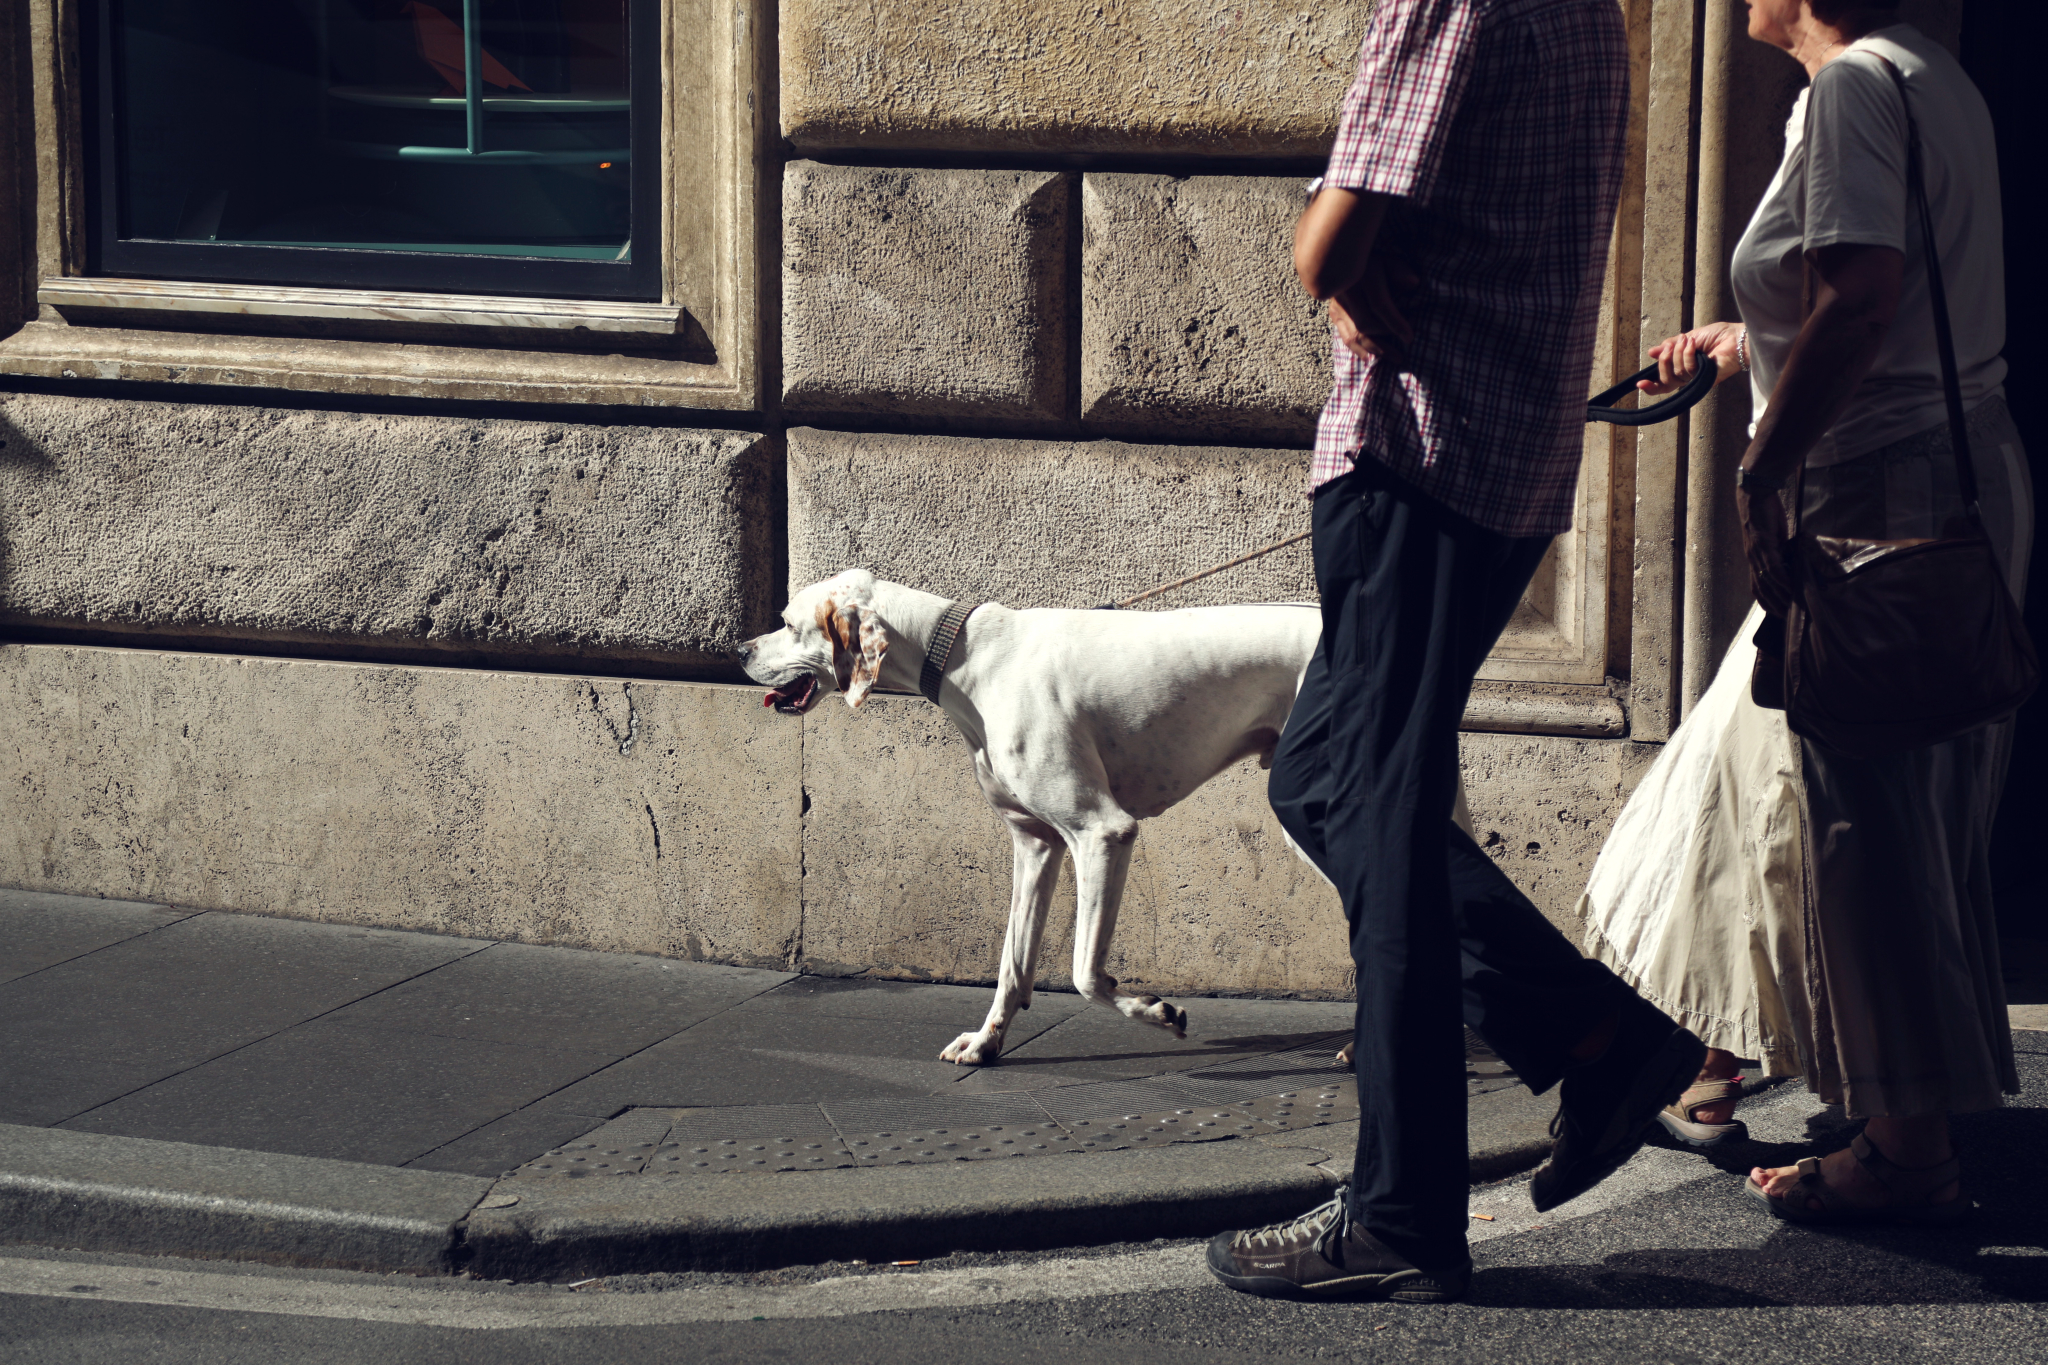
[
  {"x": 1334, "y": 238},
  {"x": 1334, "y": 260},
  {"x": 1413, "y": 68}
]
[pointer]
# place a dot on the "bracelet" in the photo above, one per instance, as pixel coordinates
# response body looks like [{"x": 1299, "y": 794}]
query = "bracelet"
[
  {"x": 1311, "y": 190},
  {"x": 1749, "y": 481},
  {"x": 1742, "y": 350}
]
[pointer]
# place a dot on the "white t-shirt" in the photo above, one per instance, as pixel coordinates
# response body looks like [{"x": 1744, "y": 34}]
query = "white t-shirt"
[{"x": 1843, "y": 180}]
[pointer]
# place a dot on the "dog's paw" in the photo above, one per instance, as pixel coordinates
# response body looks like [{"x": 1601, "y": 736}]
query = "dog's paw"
[
  {"x": 1150, "y": 1009},
  {"x": 1343, "y": 1062},
  {"x": 972, "y": 1049}
]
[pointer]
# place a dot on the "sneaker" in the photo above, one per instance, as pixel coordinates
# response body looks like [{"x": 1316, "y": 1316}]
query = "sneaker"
[
  {"x": 1607, "y": 1107},
  {"x": 1324, "y": 1255}
]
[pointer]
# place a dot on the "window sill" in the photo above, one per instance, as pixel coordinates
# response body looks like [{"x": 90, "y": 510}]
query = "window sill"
[
  {"x": 429, "y": 346},
  {"x": 358, "y": 305}
]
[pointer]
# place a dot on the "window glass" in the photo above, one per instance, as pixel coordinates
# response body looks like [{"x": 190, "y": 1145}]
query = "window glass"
[{"x": 478, "y": 129}]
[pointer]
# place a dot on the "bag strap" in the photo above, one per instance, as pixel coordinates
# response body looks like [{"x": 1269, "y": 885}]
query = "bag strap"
[{"x": 1951, "y": 383}]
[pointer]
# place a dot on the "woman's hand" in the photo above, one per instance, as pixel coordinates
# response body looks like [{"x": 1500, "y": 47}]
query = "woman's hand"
[{"x": 1678, "y": 358}]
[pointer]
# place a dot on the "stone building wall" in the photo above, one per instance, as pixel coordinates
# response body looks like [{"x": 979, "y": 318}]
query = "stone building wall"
[{"x": 392, "y": 623}]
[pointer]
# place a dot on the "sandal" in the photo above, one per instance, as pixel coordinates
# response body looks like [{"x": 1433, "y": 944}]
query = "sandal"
[
  {"x": 1680, "y": 1122},
  {"x": 1914, "y": 1184}
]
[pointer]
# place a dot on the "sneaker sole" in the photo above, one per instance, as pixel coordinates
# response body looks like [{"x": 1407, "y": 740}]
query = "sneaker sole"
[
  {"x": 1700, "y": 1136},
  {"x": 1403, "y": 1286},
  {"x": 1658, "y": 1083}
]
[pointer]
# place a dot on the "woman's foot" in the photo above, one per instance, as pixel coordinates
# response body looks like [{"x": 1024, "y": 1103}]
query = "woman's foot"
[
  {"x": 1704, "y": 1116},
  {"x": 1721, "y": 1067},
  {"x": 1907, "y": 1146}
]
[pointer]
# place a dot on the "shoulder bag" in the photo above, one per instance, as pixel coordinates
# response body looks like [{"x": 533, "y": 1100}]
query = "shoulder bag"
[{"x": 1896, "y": 644}]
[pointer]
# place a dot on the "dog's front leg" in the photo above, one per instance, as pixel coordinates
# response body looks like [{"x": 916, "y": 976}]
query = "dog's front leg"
[
  {"x": 1102, "y": 863},
  {"x": 1036, "y": 851}
]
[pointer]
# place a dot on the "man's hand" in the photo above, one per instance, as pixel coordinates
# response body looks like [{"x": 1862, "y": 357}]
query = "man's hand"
[
  {"x": 1763, "y": 545},
  {"x": 1368, "y": 316}
]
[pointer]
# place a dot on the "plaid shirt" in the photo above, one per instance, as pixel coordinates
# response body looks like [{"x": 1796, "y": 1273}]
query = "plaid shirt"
[{"x": 1499, "y": 126}]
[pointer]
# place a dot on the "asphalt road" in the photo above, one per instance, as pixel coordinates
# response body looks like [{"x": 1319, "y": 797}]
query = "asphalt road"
[{"x": 1668, "y": 1261}]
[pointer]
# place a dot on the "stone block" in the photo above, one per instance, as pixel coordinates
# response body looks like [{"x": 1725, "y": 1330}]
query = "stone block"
[
  {"x": 1047, "y": 523},
  {"x": 1542, "y": 806},
  {"x": 907, "y": 873},
  {"x": 1143, "y": 77},
  {"x": 931, "y": 293},
  {"x": 424, "y": 533},
  {"x": 1192, "y": 322},
  {"x": 626, "y": 816}
]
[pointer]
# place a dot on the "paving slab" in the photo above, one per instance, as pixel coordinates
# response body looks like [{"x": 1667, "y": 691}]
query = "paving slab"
[
  {"x": 504, "y": 1142},
  {"x": 957, "y": 1007},
  {"x": 561, "y": 998},
  {"x": 326, "y": 1089},
  {"x": 1098, "y": 1045},
  {"x": 38, "y": 930},
  {"x": 752, "y": 1058},
  {"x": 87, "y": 1031}
]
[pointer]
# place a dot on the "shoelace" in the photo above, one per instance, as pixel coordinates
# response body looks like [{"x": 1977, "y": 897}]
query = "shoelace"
[{"x": 1313, "y": 1224}]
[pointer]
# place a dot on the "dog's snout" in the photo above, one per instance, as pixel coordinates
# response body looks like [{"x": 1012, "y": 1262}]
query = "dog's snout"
[{"x": 746, "y": 650}]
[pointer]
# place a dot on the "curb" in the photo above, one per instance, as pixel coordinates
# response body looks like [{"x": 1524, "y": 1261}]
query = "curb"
[
  {"x": 94, "y": 1192},
  {"x": 737, "y": 1222},
  {"x": 97, "y": 1193}
]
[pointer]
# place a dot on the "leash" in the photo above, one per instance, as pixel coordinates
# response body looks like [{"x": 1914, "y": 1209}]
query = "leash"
[
  {"x": 1599, "y": 409},
  {"x": 1193, "y": 577},
  {"x": 954, "y": 618}
]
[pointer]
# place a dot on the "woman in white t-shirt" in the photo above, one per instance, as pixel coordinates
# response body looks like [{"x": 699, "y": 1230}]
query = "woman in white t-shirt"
[{"x": 1828, "y": 916}]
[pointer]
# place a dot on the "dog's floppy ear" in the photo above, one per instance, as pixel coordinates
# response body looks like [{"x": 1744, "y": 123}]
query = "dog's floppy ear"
[{"x": 847, "y": 616}]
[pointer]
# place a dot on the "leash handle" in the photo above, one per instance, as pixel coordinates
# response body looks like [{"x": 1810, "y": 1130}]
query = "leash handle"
[{"x": 1600, "y": 407}]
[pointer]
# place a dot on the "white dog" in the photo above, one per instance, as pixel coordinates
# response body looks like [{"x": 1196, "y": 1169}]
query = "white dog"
[{"x": 1081, "y": 723}]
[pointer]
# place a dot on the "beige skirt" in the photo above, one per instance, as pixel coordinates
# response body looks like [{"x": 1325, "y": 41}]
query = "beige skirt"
[{"x": 1830, "y": 917}]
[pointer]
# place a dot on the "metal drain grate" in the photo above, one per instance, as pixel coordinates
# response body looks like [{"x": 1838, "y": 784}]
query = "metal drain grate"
[
  {"x": 1190, "y": 1123},
  {"x": 755, "y": 1137},
  {"x": 947, "y": 1128}
]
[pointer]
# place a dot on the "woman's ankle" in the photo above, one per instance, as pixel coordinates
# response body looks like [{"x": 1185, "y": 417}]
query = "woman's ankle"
[{"x": 1913, "y": 1143}]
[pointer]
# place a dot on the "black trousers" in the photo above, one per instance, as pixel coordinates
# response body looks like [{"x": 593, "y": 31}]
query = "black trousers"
[{"x": 1364, "y": 780}]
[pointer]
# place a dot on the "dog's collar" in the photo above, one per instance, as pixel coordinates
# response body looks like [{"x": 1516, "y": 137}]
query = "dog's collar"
[{"x": 940, "y": 650}]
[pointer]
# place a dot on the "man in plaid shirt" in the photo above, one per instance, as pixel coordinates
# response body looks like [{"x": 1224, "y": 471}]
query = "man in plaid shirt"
[{"x": 1460, "y": 237}]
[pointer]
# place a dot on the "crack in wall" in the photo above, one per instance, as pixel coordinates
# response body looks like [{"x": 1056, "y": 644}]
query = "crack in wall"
[
  {"x": 803, "y": 846},
  {"x": 632, "y": 734},
  {"x": 656, "y": 827}
]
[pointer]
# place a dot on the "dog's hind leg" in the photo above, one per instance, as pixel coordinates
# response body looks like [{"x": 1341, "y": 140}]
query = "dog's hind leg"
[
  {"x": 1034, "y": 874},
  {"x": 1102, "y": 863}
]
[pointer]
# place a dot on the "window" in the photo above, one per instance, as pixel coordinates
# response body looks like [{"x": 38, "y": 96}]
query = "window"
[{"x": 502, "y": 147}]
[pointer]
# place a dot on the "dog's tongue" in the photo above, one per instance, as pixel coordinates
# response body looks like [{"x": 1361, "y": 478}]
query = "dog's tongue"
[{"x": 790, "y": 696}]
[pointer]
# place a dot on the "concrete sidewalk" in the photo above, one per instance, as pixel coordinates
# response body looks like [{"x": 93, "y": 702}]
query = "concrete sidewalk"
[{"x": 232, "y": 1085}]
